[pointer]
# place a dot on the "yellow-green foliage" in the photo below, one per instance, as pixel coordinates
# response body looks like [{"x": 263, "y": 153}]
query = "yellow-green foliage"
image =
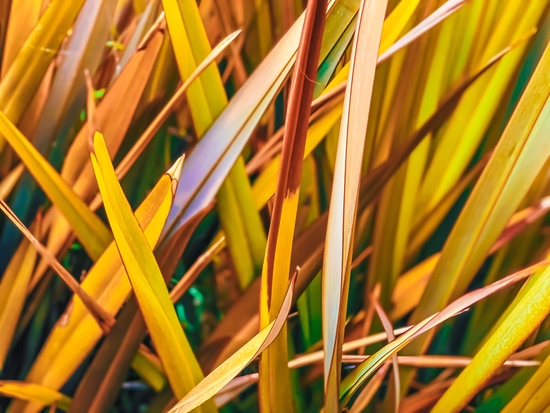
[{"x": 274, "y": 206}]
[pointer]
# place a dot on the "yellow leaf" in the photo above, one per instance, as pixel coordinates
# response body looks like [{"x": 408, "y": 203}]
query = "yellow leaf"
[
  {"x": 23, "y": 16},
  {"x": 29, "y": 66},
  {"x": 13, "y": 291},
  {"x": 529, "y": 312},
  {"x": 34, "y": 393},
  {"x": 174, "y": 350},
  {"x": 207, "y": 99},
  {"x": 519, "y": 156},
  {"x": 107, "y": 282},
  {"x": 361, "y": 373},
  {"x": 148, "y": 366},
  {"x": 7, "y": 184},
  {"x": 229, "y": 369},
  {"x": 89, "y": 229}
]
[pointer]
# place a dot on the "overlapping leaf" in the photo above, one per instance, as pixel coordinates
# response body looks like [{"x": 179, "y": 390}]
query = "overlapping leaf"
[{"x": 174, "y": 350}]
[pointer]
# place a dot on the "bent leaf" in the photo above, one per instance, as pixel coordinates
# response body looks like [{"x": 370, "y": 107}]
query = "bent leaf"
[
  {"x": 362, "y": 372},
  {"x": 229, "y": 369}
]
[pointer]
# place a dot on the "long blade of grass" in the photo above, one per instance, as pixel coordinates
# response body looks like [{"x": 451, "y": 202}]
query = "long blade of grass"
[
  {"x": 442, "y": 174},
  {"x": 23, "y": 17},
  {"x": 431, "y": 124},
  {"x": 411, "y": 285},
  {"x": 116, "y": 354},
  {"x": 211, "y": 160},
  {"x": 308, "y": 252},
  {"x": 175, "y": 352},
  {"x": 345, "y": 190},
  {"x": 122, "y": 97},
  {"x": 206, "y": 95},
  {"x": 69, "y": 343},
  {"x": 276, "y": 267}
]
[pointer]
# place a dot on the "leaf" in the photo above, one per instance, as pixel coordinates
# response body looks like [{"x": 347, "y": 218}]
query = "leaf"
[
  {"x": 89, "y": 229},
  {"x": 174, "y": 350},
  {"x": 222, "y": 375},
  {"x": 142, "y": 142},
  {"x": 207, "y": 99},
  {"x": 264, "y": 185},
  {"x": 206, "y": 95},
  {"x": 115, "y": 355},
  {"x": 29, "y": 66},
  {"x": 309, "y": 245},
  {"x": 148, "y": 366},
  {"x": 34, "y": 393},
  {"x": 276, "y": 266},
  {"x": 212, "y": 159},
  {"x": 533, "y": 393},
  {"x": 23, "y": 16},
  {"x": 362, "y": 372},
  {"x": 411, "y": 285},
  {"x": 103, "y": 318},
  {"x": 345, "y": 190},
  {"x": 520, "y": 154},
  {"x": 533, "y": 308},
  {"x": 122, "y": 98},
  {"x": 478, "y": 106},
  {"x": 85, "y": 47},
  {"x": 13, "y": 288},
  {"x": 7, "y": 184},
  {"x": 69, "y": 343}
]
